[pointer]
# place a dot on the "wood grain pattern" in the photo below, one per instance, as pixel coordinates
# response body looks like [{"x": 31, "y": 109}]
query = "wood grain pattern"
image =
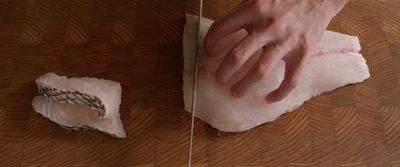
[{"x": 138, "y": 43}]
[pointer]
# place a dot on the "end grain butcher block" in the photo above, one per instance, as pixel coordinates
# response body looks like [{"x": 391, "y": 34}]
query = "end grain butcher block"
[{"x": 138, "y": 43}]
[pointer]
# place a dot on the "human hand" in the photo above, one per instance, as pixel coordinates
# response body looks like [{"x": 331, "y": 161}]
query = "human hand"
[{"x": 285, "y": 29}]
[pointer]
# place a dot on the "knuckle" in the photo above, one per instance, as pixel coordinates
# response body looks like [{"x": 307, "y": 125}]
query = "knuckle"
[
  {"x": 236, "y": 56},
  {"x": 260, "y": 71},
  {"x": 275, "y": 24},
  {"x": 274, "y": 21}
]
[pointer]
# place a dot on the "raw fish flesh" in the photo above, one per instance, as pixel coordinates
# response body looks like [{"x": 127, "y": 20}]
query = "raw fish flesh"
[
  {"x": 336, "y": 62},
  {"x": 80, "y": 103}
]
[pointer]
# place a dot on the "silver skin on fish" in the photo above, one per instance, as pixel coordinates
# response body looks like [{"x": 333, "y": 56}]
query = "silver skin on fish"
[{"x": 80, "y": 103}]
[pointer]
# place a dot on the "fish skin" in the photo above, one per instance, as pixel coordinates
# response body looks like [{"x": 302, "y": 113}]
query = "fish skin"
[{"x": 82, "y": 116}]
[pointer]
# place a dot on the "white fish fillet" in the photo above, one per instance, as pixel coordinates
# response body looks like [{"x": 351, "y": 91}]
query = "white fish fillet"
[
  {"x": 335, "y": 63},
  {"x": 78, "y": 116}
]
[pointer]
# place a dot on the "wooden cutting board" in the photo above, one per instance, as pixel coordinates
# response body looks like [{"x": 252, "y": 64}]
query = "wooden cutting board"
[{"x": 138, "y": 43}]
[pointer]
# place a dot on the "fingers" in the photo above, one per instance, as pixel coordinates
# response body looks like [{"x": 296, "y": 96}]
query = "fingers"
[
  {"x": 231, "y": 23},
  {"x": 238, "y": 56},
  {"x": 271, "y": 55},
  {"x": 294, "y": 66}
]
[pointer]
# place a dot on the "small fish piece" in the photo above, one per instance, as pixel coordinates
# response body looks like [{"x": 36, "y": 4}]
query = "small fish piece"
[
  {"x": 80, "y": 103},
  {"x": 335, "y": 62}
]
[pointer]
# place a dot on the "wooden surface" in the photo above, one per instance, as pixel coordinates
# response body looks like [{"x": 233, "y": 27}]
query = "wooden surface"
[{"x": 138, "y": 43}]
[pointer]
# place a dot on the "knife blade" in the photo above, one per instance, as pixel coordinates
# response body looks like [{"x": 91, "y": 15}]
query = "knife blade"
[{"x": 195, "y": 77}]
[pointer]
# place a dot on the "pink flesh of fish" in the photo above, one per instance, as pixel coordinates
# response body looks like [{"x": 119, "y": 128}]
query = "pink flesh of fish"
[{"x": 335, "y": 63}]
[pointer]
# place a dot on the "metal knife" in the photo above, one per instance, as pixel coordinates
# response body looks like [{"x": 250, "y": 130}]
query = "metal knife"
[{"x": 195, "y": 76}]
